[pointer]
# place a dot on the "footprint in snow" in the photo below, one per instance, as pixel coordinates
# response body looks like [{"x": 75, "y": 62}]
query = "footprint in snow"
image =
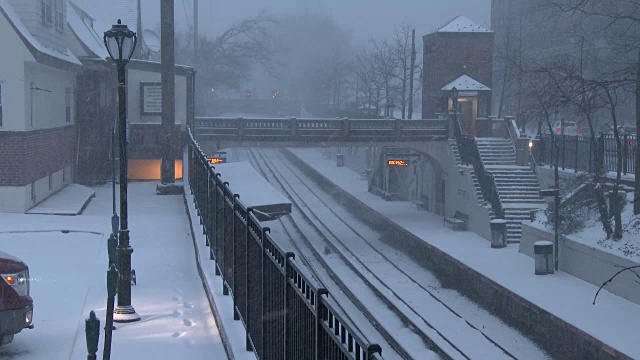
[
  {"x": 177, "y": 334},
  {"x": 177, "y": 313},
  {"x": 188, "y": 305},
  {"x": 187, "y": 322},
  {"x": 176, "y": 298}
]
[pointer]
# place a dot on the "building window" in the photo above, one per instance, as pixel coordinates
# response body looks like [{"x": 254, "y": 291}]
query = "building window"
[
  {"x": 45, "y": 8},
  {"x": 1, "y": 107},
  {"x": 67, "y": 104},
  {"x": 58, "y": 14}
]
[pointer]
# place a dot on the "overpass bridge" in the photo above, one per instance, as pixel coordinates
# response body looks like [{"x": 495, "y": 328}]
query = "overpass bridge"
[{"x": 428, "y": 137}]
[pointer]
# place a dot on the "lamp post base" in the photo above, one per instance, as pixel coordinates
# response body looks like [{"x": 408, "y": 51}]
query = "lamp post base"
[{"x": 125, "y": 314}]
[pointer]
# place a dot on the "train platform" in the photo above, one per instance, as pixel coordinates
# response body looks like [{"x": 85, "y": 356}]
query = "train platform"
[
  {"x": 67, "y": 256},
  {"x": 609, "y": 324}
]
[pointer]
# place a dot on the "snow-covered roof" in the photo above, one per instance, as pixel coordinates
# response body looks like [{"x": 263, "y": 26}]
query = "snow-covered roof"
[
  {"x": 463, "y": 25},
  {"x": 107, "y": 13},
  {"x": 254, "y": 190},
  {"x": 465, "y": 83},
  {"x": 85, "y": 32},
  {"x": 31, "y": 41}
]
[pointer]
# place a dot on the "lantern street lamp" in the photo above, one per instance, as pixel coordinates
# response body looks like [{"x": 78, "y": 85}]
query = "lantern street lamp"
[{"x": 120, "y": 42}]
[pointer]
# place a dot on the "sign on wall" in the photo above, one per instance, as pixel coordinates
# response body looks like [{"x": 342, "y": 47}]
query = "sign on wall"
[
  {"x": 397, "y": 163},
  {"x": 150, "y": 98}
]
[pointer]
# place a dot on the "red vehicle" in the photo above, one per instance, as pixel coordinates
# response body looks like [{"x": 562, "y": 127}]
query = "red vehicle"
[{"x": 16, "y": 306}]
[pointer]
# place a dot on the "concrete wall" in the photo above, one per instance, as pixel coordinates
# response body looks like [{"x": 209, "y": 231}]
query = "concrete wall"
[
  {"x": 590, "y": 264},
  {"x": 460, "y": 196},
  {"x": 459, "y": 189},
  {"x": 134, "y": 78}
]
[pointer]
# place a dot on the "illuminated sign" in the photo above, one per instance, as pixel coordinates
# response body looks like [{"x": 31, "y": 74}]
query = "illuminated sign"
[
  {"x": 216, "y": 160},
  {"x": 397, "y": 163}
]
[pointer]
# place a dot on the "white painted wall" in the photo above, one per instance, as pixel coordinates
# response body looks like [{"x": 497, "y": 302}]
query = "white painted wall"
[
  {"x": 12, "y": 78},
  {"x": 18, "y": 199},
  {"x": 134, "y": 78},
  {"x": 45, "y": 100}
]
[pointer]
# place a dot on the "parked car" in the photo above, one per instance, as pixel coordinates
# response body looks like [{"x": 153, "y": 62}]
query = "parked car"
[
  {"x": 570, "y": 128},
  {"x": 16, "y": 305}
]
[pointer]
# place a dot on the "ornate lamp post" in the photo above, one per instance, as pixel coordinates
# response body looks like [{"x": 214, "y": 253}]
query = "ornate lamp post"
[{"x": 120, "y": 42}]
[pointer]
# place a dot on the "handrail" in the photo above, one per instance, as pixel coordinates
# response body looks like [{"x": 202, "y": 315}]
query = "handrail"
[{"x": 470, "y": 154}]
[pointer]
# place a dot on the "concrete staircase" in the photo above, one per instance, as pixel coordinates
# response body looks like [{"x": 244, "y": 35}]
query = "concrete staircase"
[{"x": 518, "y": 186}]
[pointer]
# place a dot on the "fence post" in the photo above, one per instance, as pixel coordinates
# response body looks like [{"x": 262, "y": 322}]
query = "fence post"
[
  {"x": 345, "y": 127},
  {"x": 577, "y": 148},
  {"x": 293, "y": 123},
  {"x": 222, "y": 260},
  {"x": 564, "y": 148},
  {"x": 287, "y": 256},
  {"x": 601, "y": 160},
  {"x": 625, "y": 155},
  {"x": 320, "y": 311}
]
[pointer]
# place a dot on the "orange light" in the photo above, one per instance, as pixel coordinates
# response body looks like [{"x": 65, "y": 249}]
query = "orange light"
[
  {"x": 10, "y": 279},
  {"x": 214, "y": 161},
  {"x": 397, "y": 163}
]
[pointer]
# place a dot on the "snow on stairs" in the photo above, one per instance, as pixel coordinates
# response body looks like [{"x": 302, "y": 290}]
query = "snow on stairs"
[{"x": 518, "y": 186}]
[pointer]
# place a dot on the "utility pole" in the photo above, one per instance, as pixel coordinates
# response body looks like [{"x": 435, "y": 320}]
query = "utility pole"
[
  {"x": 195, "y": 32},
  {"x": 167, "y": 166},
  {"x": 413, "y": 66}
]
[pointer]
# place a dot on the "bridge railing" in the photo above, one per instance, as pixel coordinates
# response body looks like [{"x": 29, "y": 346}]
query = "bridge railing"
[
  {"x": 285, "y": 315},
  {"x": 365, "y": 128}
]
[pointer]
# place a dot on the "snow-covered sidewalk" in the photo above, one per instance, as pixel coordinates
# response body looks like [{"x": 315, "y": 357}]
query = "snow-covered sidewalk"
[
  {"x": 613, "y": 320},
  {"x": 69, "y": 280}
]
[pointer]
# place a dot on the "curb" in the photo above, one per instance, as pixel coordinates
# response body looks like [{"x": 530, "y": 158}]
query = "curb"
[{"x": 212, "y": 304}]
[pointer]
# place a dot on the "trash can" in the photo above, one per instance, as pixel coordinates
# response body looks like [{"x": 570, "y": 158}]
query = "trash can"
[
  {"x": 340, "y": 160},
  {"x": 543, "y": 251},
  {"x": 498, "y": 233}
]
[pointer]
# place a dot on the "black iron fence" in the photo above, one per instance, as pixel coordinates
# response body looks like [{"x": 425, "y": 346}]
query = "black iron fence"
[
  {"x": 580, "y": 153},
  {"x": 284, "y": 314}
]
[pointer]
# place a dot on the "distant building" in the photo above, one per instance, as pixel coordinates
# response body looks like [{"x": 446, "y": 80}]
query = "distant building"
[{"x": 459, "y": 54}]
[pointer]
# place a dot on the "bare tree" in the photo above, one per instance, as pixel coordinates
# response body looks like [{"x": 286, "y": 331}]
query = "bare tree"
[{"x": 228, "y": 59}]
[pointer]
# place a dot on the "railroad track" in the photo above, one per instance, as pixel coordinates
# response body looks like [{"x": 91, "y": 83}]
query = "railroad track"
[
  {"x": 368, "y": 323},
  {"x": 420, "y": 309}
]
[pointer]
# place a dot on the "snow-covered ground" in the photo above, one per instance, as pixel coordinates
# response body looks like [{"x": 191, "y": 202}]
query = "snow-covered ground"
[
  {"x": 612, "y": 320},
  {"x": 593, "y": 235},
  {"x": 69, "y": 280}
]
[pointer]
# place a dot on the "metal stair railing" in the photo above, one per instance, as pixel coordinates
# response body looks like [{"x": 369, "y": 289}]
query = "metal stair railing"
[{"x": 470, "y": 154}]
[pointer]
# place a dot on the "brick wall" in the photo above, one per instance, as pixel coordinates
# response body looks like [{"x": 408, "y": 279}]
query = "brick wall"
[
  {"x": 447, "y": 56},
  {"x": 26, "y": 156}
]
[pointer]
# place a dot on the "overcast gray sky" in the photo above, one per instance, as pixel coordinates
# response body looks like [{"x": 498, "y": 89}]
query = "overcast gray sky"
[{"x": 364, "y": 18}]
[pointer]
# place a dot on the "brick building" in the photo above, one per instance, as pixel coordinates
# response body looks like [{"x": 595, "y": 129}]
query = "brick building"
[{"x": 459, "y": 48}]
